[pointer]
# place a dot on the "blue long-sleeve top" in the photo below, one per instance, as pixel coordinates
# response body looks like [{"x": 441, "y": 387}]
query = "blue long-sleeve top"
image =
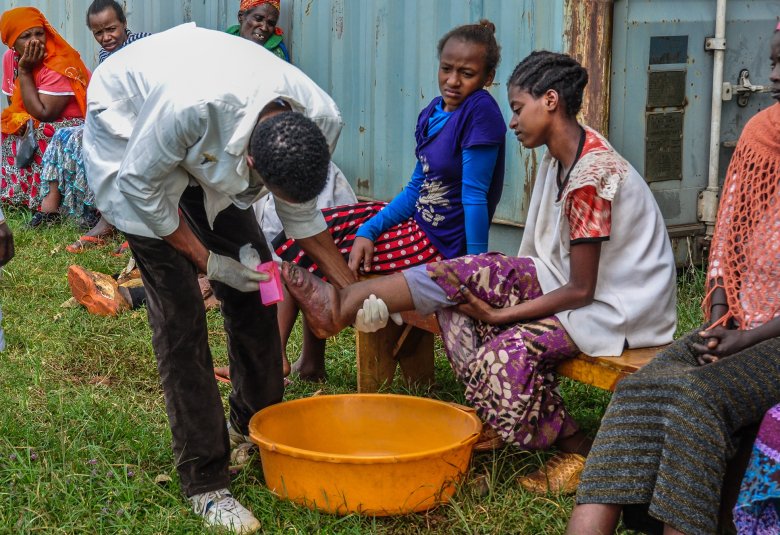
[{"x": 478, "y": 164}]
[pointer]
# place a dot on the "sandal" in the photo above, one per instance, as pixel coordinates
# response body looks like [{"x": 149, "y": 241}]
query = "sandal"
[
  {"x": 222, "y": 374},
  {"x": 121, "y": 250},
  {"x": 559, "y": 475},
  {"x": 488, "y": 440},
  {"x": 85, "y": 243},
  {"x": 43, "y": 218}
]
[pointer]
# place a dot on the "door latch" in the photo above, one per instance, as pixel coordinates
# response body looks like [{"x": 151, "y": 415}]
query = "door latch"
[{"x": 743, "y": 89}]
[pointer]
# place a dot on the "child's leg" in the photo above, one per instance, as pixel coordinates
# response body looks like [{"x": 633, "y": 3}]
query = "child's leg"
[
  {"x": 328, "y": 310},
  {"x": 286, "y": 314},
  {"x": 310, "y": 366}
]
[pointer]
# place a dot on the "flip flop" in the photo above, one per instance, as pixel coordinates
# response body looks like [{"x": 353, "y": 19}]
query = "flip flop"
[
  {"x": 226, "y": 379},
  {"x": 222, "y": 378},
  {"x": 121, "y": 250},
  {"x": 85, "y": 243}
]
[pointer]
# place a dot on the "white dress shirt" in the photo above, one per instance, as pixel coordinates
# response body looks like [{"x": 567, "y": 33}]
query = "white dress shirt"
[{"x": 178, "y": 108}]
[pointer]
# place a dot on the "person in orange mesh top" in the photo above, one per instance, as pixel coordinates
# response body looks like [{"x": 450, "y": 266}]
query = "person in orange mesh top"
[{"x": 661, "y": 452}]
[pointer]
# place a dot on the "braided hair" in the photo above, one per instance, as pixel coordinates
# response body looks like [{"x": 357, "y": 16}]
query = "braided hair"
[
  {"x": 482, "y": 33},
  {"x": 291, "y": 154},
  {"x": 543, "y": 70}
]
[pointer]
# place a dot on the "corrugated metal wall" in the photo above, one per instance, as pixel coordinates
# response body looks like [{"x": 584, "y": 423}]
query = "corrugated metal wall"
[
  {"x": 69, "y": 17},
  {"x": 378, "y": 61}
]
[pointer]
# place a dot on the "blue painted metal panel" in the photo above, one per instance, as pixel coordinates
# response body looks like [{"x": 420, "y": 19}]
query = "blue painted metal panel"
[
  {"x": 378, "y": 61},
  {"x": 69, "y": 17},
  {"x": 748, "y": 30}
]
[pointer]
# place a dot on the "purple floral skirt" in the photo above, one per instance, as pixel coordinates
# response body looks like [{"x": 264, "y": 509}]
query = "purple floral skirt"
[{"x": 508, "y": 370}]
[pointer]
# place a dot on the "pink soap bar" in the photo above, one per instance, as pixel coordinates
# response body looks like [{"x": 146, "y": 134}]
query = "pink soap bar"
[{"x": 271, "y": 290}]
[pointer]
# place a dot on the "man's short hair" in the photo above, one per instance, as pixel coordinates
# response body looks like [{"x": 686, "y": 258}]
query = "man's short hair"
[{"x": 291, "y": 154}]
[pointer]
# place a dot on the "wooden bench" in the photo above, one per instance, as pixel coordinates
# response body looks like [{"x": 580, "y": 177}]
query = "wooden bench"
[{"x": 411, "y": 346}]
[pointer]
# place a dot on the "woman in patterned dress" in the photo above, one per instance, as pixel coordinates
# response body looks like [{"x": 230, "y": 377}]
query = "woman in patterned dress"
[
  {"x": 64, "y": 189},
  {"x": 45, "y": 80}
]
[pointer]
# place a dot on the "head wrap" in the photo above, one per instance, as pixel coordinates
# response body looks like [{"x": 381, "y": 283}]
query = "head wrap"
[
  {"x": 60, "y": 57},
  {"x": 249, "y": 4}
]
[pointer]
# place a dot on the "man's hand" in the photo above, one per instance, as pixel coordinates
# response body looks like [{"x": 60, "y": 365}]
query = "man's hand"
[
  {"x": 233, "y": 273},
  {"x": 361, "y": 255},
  {"x": 721, "y": 342},
  {"x": 6, "y": 244}
]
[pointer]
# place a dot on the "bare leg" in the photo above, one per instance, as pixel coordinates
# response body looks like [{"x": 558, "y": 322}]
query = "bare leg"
[
  {"x": 576, "y": 443},
  {"x": 669, "y": 530},
  {"x": 310, "y": 366},
  {"x": 102, "y": 228},
  {"x": 328, "y": 310},
  {"x": 286, "y": 313},
  {"x": 51, "y": 203},
  {"x": 594, "y": 519}
]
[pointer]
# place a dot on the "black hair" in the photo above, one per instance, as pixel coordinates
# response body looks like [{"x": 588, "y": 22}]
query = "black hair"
[
  {"x": 482, "y": 33},
  {"x": 542, "y": 70},
  {"x": 291, "y": 154},
  {"x": 98, "y": 6}
]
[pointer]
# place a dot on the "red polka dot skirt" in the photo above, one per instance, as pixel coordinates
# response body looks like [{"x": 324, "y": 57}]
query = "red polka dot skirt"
[{"x": 400, "y": 247}]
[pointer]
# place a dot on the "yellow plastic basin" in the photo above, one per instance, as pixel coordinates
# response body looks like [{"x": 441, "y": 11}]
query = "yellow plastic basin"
[{"x": 373, "y": 454}]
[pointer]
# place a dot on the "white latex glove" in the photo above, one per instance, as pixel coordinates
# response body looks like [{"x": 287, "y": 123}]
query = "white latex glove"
[
  {"x": 233, "y": 273},
  {"x": 373, "y": 316}
]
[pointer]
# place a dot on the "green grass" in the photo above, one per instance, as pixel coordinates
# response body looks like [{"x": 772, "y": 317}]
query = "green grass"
[{"x": 83, "y": 432}]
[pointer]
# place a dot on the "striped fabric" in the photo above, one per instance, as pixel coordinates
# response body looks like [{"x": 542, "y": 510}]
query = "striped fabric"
[
  {"x": 131, "y": 36},
  {"x": 669, "y": 430},
  {"x": 402, "y": 246}
]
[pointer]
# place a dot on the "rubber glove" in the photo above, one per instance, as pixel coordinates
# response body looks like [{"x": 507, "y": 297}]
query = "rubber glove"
[
  {"x": 233, "y": 273},
  {"x": 373, "y": 316}
]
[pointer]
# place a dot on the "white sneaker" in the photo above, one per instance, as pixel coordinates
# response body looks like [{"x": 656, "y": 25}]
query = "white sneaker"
[
  {"x": 219, "y": 509},
  {"x": 241, "y": 448}
]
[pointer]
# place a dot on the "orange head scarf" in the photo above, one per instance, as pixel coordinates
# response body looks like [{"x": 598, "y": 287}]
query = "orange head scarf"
[
  {"x": 60, "y": 57},
  {"x": 249, "y": 4}
]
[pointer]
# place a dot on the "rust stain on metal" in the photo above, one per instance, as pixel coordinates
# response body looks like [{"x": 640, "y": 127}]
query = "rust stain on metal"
[
  {"x": 362, "y": 129},
  {"x": 338, "y": 19},
  {"x": 589, "y": 38},
  {"x": 187, "y": 8},
  {"x": 307, "y": 11},
  {"x": 363, "y": 184}
]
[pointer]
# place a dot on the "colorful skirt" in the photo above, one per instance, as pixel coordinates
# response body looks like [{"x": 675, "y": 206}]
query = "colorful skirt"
[
  {"x": 508, "y": 370},
  {"x": 405, "y": 245},
  {"x": 63, "y": 166},
  {"x": 758, "y": 507},
  {"x": 662, "y": 447},
  {"x": 21, "y": 187}
]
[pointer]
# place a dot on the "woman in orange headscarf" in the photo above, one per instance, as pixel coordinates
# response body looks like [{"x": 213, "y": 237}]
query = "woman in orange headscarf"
[{"x": 45, "y": 80}]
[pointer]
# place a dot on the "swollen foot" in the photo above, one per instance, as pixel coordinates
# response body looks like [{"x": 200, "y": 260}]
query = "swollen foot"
[{"x": 318, "y": 300}]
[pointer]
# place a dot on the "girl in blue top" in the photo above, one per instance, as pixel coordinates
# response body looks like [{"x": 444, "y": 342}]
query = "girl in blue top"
[{"x": 446, "y": 208}]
